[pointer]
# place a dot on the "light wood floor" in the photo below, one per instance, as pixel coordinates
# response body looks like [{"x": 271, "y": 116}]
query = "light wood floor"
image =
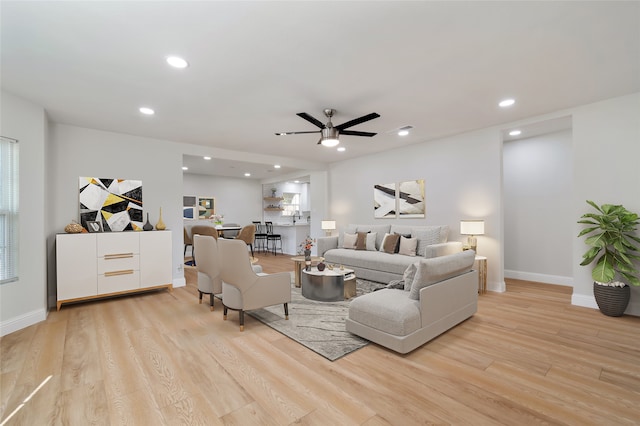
[{"x": 526, "y": 357}]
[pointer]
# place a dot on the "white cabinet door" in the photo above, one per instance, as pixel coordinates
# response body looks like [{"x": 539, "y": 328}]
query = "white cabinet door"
[
  {"x": 155, "y": 258},
  {"x": 76, "y": 264}
]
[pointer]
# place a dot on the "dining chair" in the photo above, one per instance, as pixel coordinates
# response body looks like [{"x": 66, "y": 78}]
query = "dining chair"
[
  {"x": 230, "y": 234},
  {"x": 243, "y": 289},
  {"x": 247, "y": 234},
  {"x": 187, "y": 241}
]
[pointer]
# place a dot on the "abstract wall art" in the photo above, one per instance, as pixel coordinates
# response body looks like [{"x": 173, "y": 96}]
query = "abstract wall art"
[
  {"x": 384, "y": 201},
  {"x": 116, "y": 203},
  {"x": 411, "y": 199}
]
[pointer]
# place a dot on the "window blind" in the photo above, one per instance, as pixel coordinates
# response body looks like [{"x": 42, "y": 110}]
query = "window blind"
[{"x": 8, "y": 209}]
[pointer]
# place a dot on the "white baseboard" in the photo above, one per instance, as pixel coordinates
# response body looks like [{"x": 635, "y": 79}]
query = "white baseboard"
[
  {"x": 497, "y": 287},
  {"x": 179, "y": 282},
  {"x": 22, "y": 321},
  {"x": 540, "y": 278}
]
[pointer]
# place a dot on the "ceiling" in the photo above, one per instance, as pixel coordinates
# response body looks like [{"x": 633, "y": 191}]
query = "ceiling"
[{"x": 441, "y": 67}]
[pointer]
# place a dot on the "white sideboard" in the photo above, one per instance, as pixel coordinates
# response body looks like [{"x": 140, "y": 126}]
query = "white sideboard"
[{"x": 90, "y": 266}]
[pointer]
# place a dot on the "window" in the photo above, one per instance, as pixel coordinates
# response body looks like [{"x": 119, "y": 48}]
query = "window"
[
  {"x": 290, "y": 204},
  {"x": 8, "y": 209}
]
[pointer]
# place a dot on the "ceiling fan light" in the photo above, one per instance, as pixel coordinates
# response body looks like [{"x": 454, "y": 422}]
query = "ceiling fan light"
[{"x": 330, "y": 142}]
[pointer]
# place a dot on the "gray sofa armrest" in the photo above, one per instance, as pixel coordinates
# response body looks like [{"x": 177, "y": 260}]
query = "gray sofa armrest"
[
  {"x": 442, "y": 249},
  {"x": 326, "y": 243}
]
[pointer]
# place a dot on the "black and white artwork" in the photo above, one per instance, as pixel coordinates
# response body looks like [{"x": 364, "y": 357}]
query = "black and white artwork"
[
  {"x": 384, "y": 201},
  {"x": 411, "y": 202}
]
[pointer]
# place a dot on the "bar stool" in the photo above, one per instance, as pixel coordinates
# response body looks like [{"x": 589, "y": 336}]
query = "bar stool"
[
  {"x": 260, "y": 239},
  {"x": 274, "y": 238}
]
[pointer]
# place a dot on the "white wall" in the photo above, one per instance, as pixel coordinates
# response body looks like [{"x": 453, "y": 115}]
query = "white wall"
[
  {"x": 463, "y": 180},
  {"x": 239, "y": 200},
  {"x": 78, "y": 151},
  {"x": 538, "y": 209},
  {"x": 606, "y": 138},
  {"x": 24, "y": 302}
]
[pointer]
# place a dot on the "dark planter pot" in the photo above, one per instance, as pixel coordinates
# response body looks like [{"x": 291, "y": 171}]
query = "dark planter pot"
[{"x": 612, "y": 301}]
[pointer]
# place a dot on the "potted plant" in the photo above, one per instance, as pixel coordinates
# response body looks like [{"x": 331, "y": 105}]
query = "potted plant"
[{"x": 614, "y": 248}]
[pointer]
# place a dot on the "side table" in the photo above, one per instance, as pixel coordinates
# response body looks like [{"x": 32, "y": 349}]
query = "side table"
[
  {"x": 298, "y": 262},
  {"x": 482, "y": 274}
]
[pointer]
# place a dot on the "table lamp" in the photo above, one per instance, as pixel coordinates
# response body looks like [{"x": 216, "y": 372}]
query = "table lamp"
[
  {"x": 472, "y": 228},
  {"x": 328, "y": 226}
]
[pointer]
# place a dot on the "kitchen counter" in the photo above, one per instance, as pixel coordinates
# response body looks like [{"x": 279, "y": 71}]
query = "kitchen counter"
[{"x": 292, "y": 235}]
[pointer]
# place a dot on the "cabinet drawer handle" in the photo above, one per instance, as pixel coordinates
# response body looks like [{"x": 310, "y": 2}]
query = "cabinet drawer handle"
[
  {"x": 114, "y": 273},
  {"x": 117, "y": 256}
]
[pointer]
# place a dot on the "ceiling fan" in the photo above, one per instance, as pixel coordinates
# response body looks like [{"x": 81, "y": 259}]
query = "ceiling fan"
[{"x": 329, "y": 133}]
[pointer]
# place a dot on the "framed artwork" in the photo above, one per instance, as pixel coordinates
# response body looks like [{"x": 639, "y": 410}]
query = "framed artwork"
[
  {"x": 115, "y": 203},
  {"x": 94, "y": 226},
  {"x": 411, "y": 199},
  {"x": 206, "y": 207},
  {"x": 384, "y": 201}
]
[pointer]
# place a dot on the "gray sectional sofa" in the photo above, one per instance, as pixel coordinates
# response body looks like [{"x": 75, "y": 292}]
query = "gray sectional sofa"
[
  {"x": 438, "y": 294},
  {"x": 375, "y": 265}
]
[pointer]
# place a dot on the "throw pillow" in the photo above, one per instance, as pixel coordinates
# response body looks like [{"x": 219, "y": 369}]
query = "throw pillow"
[
  {"x": 349, "y": 241},
  {"x": 390, "y": 243},
  {"x": 408, "y": 246},
  {"x": 426, "y": 237},
  {"x": 409, "y": 275},
  {"x": 361, "y": 241},
  {"x": 432, "y": 271},
  {"x": 371, "y": 241}
]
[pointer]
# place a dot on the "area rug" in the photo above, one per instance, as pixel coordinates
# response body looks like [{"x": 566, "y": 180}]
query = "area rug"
[{"x": 320, "y": 326}]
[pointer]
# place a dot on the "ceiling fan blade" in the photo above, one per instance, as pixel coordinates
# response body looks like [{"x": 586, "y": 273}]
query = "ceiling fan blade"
[
  {"x": 311, "y": 120},
  {"x": 356, "y": 121},
  {"x": 295, "y": 133},
  {"x": 356, "y": 133}
]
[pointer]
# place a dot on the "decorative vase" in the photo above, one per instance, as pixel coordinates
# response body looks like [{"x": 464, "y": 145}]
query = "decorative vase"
[
  {"x": 612, "y": 301},
  {"x": 321, "y": 266},
  {"x": 148, "y": 226},
  {"x": 160, "y": 225}
]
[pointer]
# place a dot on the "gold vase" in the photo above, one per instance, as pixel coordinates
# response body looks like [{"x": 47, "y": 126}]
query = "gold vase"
[{"x": 160, "y": 225}]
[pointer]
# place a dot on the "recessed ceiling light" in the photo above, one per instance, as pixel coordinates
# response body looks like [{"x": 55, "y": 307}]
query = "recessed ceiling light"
[
  {"x": 146, "y": 111},
  {"x": 404, "y": 131},
  {"x": 185, "y": 168},
  {"x": 276, "y": 166},
  {"x": 507, "y": 103},
  {"x": 342, "y": 149},
  {"x": 296, "y": 181},
  {"x": 247, "y": 174},
  {"x": 207, "y": 158},
  {"x": 177, "y": 62},
  {"x": 515, "y": 133}
]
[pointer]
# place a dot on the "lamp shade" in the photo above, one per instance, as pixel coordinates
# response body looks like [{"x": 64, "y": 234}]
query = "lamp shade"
[
  {"x": 328, "y": 225},
  {"x": 472, "y": 227}
]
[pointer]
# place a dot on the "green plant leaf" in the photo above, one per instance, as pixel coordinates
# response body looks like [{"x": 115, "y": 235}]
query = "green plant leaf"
[
  {"x": 603, "y": 272},
  {"x": 587, "y": 230},
  {"x": 594, "y": 205},
  {"x": 596, "y": 240}
]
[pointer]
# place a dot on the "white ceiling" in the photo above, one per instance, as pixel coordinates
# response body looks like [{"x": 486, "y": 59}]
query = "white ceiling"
[{"x": 440, "y": 67}]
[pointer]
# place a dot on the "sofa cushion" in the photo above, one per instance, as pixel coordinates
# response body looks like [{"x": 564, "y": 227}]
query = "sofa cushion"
[
  {"x": 431, "y": 271},
  {"x": 390, "y": 243},
  {"x": 408, "y": 246},
  {"x": 372, "y": 260},
  {"x": 349, "y": 241},
  {"x": 388, "y": 310},
  {"x": 409, "y": 275},
  {"x": 361, "y": 241},
  {"x": 380, "y": 230},
  {"x": 351, "y": 229},
  {"x": 371, "y": 241}
]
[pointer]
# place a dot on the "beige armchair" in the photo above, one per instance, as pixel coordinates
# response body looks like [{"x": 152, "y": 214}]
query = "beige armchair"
[
  {"x": 243, "y": 289},
  {"x": 208, "y": 265}
]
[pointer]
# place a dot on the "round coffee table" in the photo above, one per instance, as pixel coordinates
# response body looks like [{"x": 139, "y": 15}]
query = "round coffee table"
[
  {"x": 299, "y": 264},
  {"x": 328, "y": 285}
]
